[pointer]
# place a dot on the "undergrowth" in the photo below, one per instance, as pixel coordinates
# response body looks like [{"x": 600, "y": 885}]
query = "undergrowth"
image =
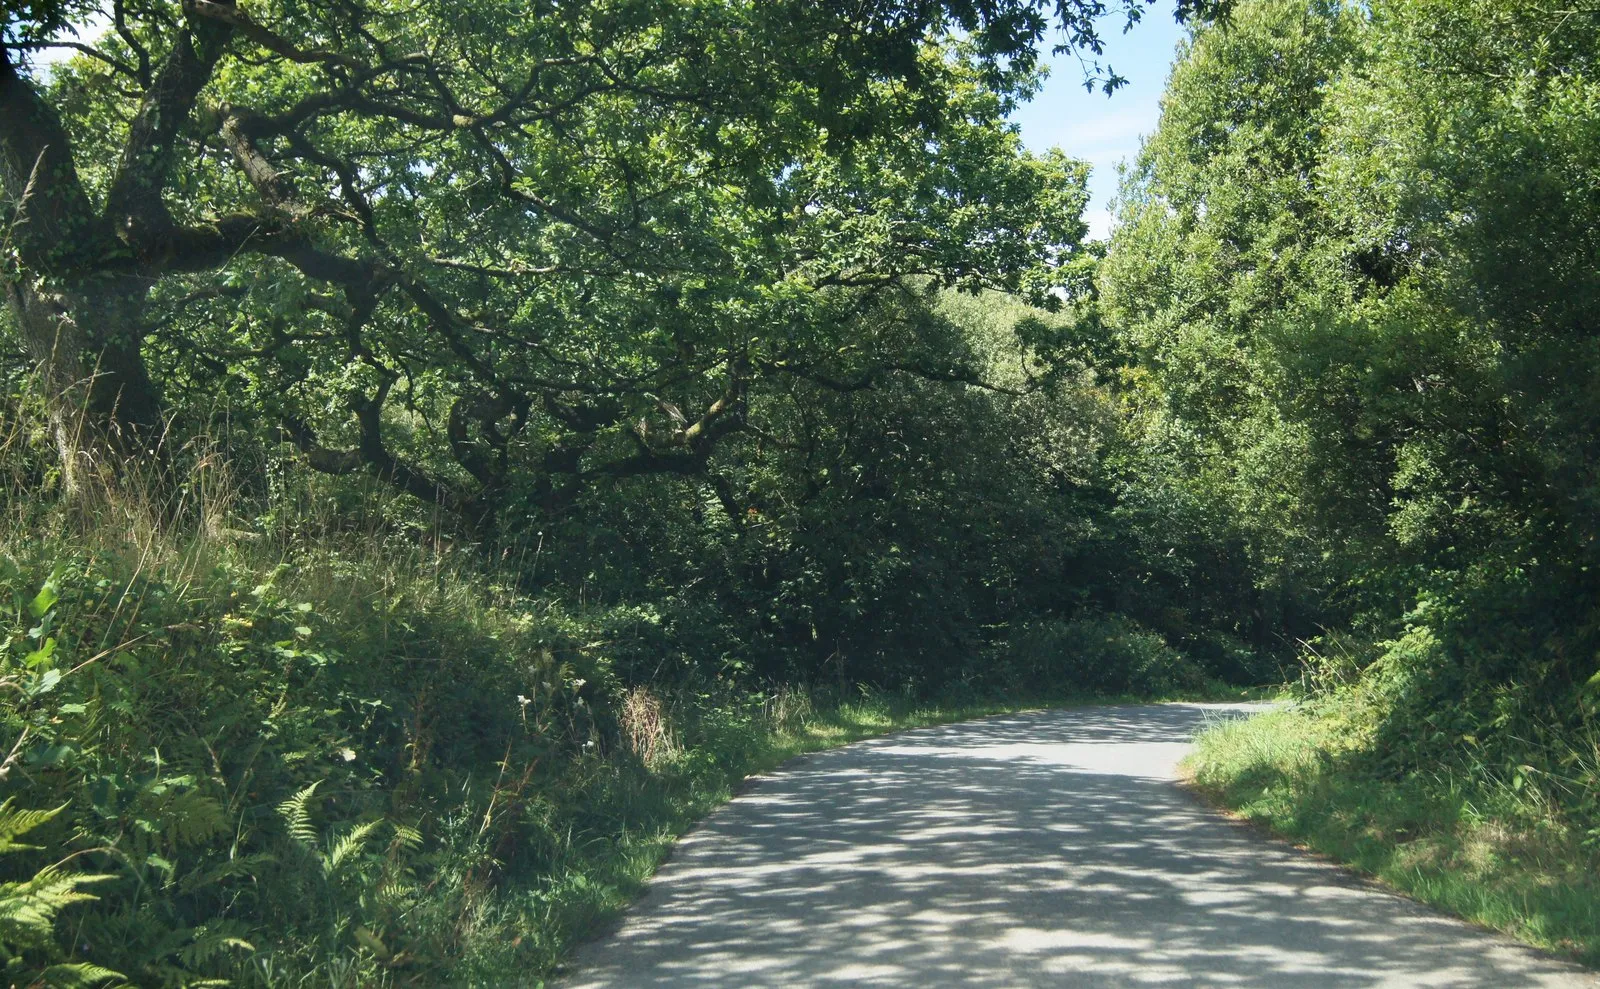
[
  {"x": 1513, "y": 849},
  {"x": 348, "y": 762},
  {"x": 294, "y": 737}
]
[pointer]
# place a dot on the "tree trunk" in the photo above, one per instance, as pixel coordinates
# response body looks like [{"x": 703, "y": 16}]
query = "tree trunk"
[
  {"x": 104, "y": 411},
  {"x": 77, "y": 302}
]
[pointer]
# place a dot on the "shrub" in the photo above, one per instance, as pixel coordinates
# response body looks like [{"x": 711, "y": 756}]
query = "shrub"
[
  {"x": 1099, "y": 654},
  {"x": 261, "y": 764}
]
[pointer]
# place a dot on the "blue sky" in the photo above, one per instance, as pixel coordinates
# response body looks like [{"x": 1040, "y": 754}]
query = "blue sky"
[{"x": 1105, "y": 129}]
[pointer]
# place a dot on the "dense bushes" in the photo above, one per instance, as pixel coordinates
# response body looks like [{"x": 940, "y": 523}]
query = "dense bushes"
[
  {"x": 1356, "y": 291},
  {"x": 1350, "y": 291},
  {"x": 1107, "y": 654},
  {"x": 253, "y": 755},
  {"x": 334, "y": 769}
]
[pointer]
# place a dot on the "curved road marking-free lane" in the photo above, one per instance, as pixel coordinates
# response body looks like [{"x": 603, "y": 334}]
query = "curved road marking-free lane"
[{"x": 1044, "y": 849}]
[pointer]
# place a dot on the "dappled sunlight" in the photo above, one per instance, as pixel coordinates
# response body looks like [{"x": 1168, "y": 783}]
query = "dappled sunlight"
[{"x": 1052, "y": 848}]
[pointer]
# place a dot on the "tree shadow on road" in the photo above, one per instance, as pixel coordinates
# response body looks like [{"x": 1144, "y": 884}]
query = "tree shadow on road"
[{"x": 1043, "y": 849}]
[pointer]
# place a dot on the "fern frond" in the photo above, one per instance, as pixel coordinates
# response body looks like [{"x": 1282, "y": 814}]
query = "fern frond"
[
  {"x": 15, "y": 822},
  {"x": 214, "y": 940},
  {"x": 343, "y": 849},
  {"x": 149, "y": 939},
  {"x": 192, "y": 818},
  {"x": 28, "y": 909},
  {"x": 244, "y": 865},
  {"x": 406, "y": 838},
  {"x": 79, "y": 975},
  {"x": 397, "y": 892},
  {"x": 297, "y": 814}
]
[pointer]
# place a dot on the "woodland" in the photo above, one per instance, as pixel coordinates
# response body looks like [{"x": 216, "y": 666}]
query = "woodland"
[{"x": 445, "y": 446}]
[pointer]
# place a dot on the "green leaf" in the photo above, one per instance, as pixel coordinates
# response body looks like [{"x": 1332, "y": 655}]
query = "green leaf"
[
  {"x": 45, "y": 600},
  {"x": 44, "y": 684},
  {"x": 371, "y": 942},
  {"x": 40, "y": 656},
  {"x": 77, "y": 975},
  {"x": 15, "y": 822},
  {"x": 49, "y": 755}
]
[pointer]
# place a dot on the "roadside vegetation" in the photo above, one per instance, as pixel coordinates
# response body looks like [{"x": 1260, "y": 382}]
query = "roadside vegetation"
[
  {"x": 1505, "y": 847},
  {"x": 445, "y": 447},
  {"x": 327, "y": 758},
  {"x": 1363, "y": 284}
]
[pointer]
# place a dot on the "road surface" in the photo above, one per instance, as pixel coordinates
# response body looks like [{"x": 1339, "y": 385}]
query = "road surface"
[{"x": 1044, "y": 849}]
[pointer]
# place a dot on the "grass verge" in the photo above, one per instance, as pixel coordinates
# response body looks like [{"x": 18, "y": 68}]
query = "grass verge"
[{"x": 1492, "y": 851}]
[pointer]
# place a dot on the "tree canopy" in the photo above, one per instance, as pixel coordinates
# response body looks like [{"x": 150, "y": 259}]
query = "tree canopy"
[
  {"x": 468, "y": 247},
  {"x": 1358, "y": 264}
]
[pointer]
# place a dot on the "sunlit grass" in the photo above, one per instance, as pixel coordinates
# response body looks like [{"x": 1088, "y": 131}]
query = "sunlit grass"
[{"x": 1477, "y": 847}]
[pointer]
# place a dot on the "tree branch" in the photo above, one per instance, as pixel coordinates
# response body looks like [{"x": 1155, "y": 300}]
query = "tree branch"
[
  {"x": 57, "y": 229},
  {"x": 236, "y": 20},
  {"x": 78, "y": 46},
  {"x": 134, "y": 202}
]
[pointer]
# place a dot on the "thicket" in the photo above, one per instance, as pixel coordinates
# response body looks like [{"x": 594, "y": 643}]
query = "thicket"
[
  {"x": 329, "y": 764},
  {"x": 282, "y": 735},
  {"x": 1356, "y": 273}
]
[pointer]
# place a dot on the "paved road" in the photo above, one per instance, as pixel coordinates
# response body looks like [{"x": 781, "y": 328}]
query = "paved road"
[{"x": 1044, "y": 849}]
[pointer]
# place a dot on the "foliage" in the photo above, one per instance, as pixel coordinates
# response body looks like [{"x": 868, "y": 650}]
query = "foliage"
[
  {"x": 1111, "y": 655},
  {"x": 361, "y": 765},
  {"x": 307, "y": 739},
  {"x": 1345, "y": 320},
  {"x": 28, "y": 908},
  {"x": 442, "y": 446},
  {"x": 497, "y": 254},
  {"x": 1355, "y": 280}
]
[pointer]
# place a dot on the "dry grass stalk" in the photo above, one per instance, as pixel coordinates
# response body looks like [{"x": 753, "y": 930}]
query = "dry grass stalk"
[{"x": 645, "y": 727}]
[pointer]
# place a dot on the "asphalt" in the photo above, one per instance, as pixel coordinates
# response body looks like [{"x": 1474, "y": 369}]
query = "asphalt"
[{"x": 1044, "y": 849}]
